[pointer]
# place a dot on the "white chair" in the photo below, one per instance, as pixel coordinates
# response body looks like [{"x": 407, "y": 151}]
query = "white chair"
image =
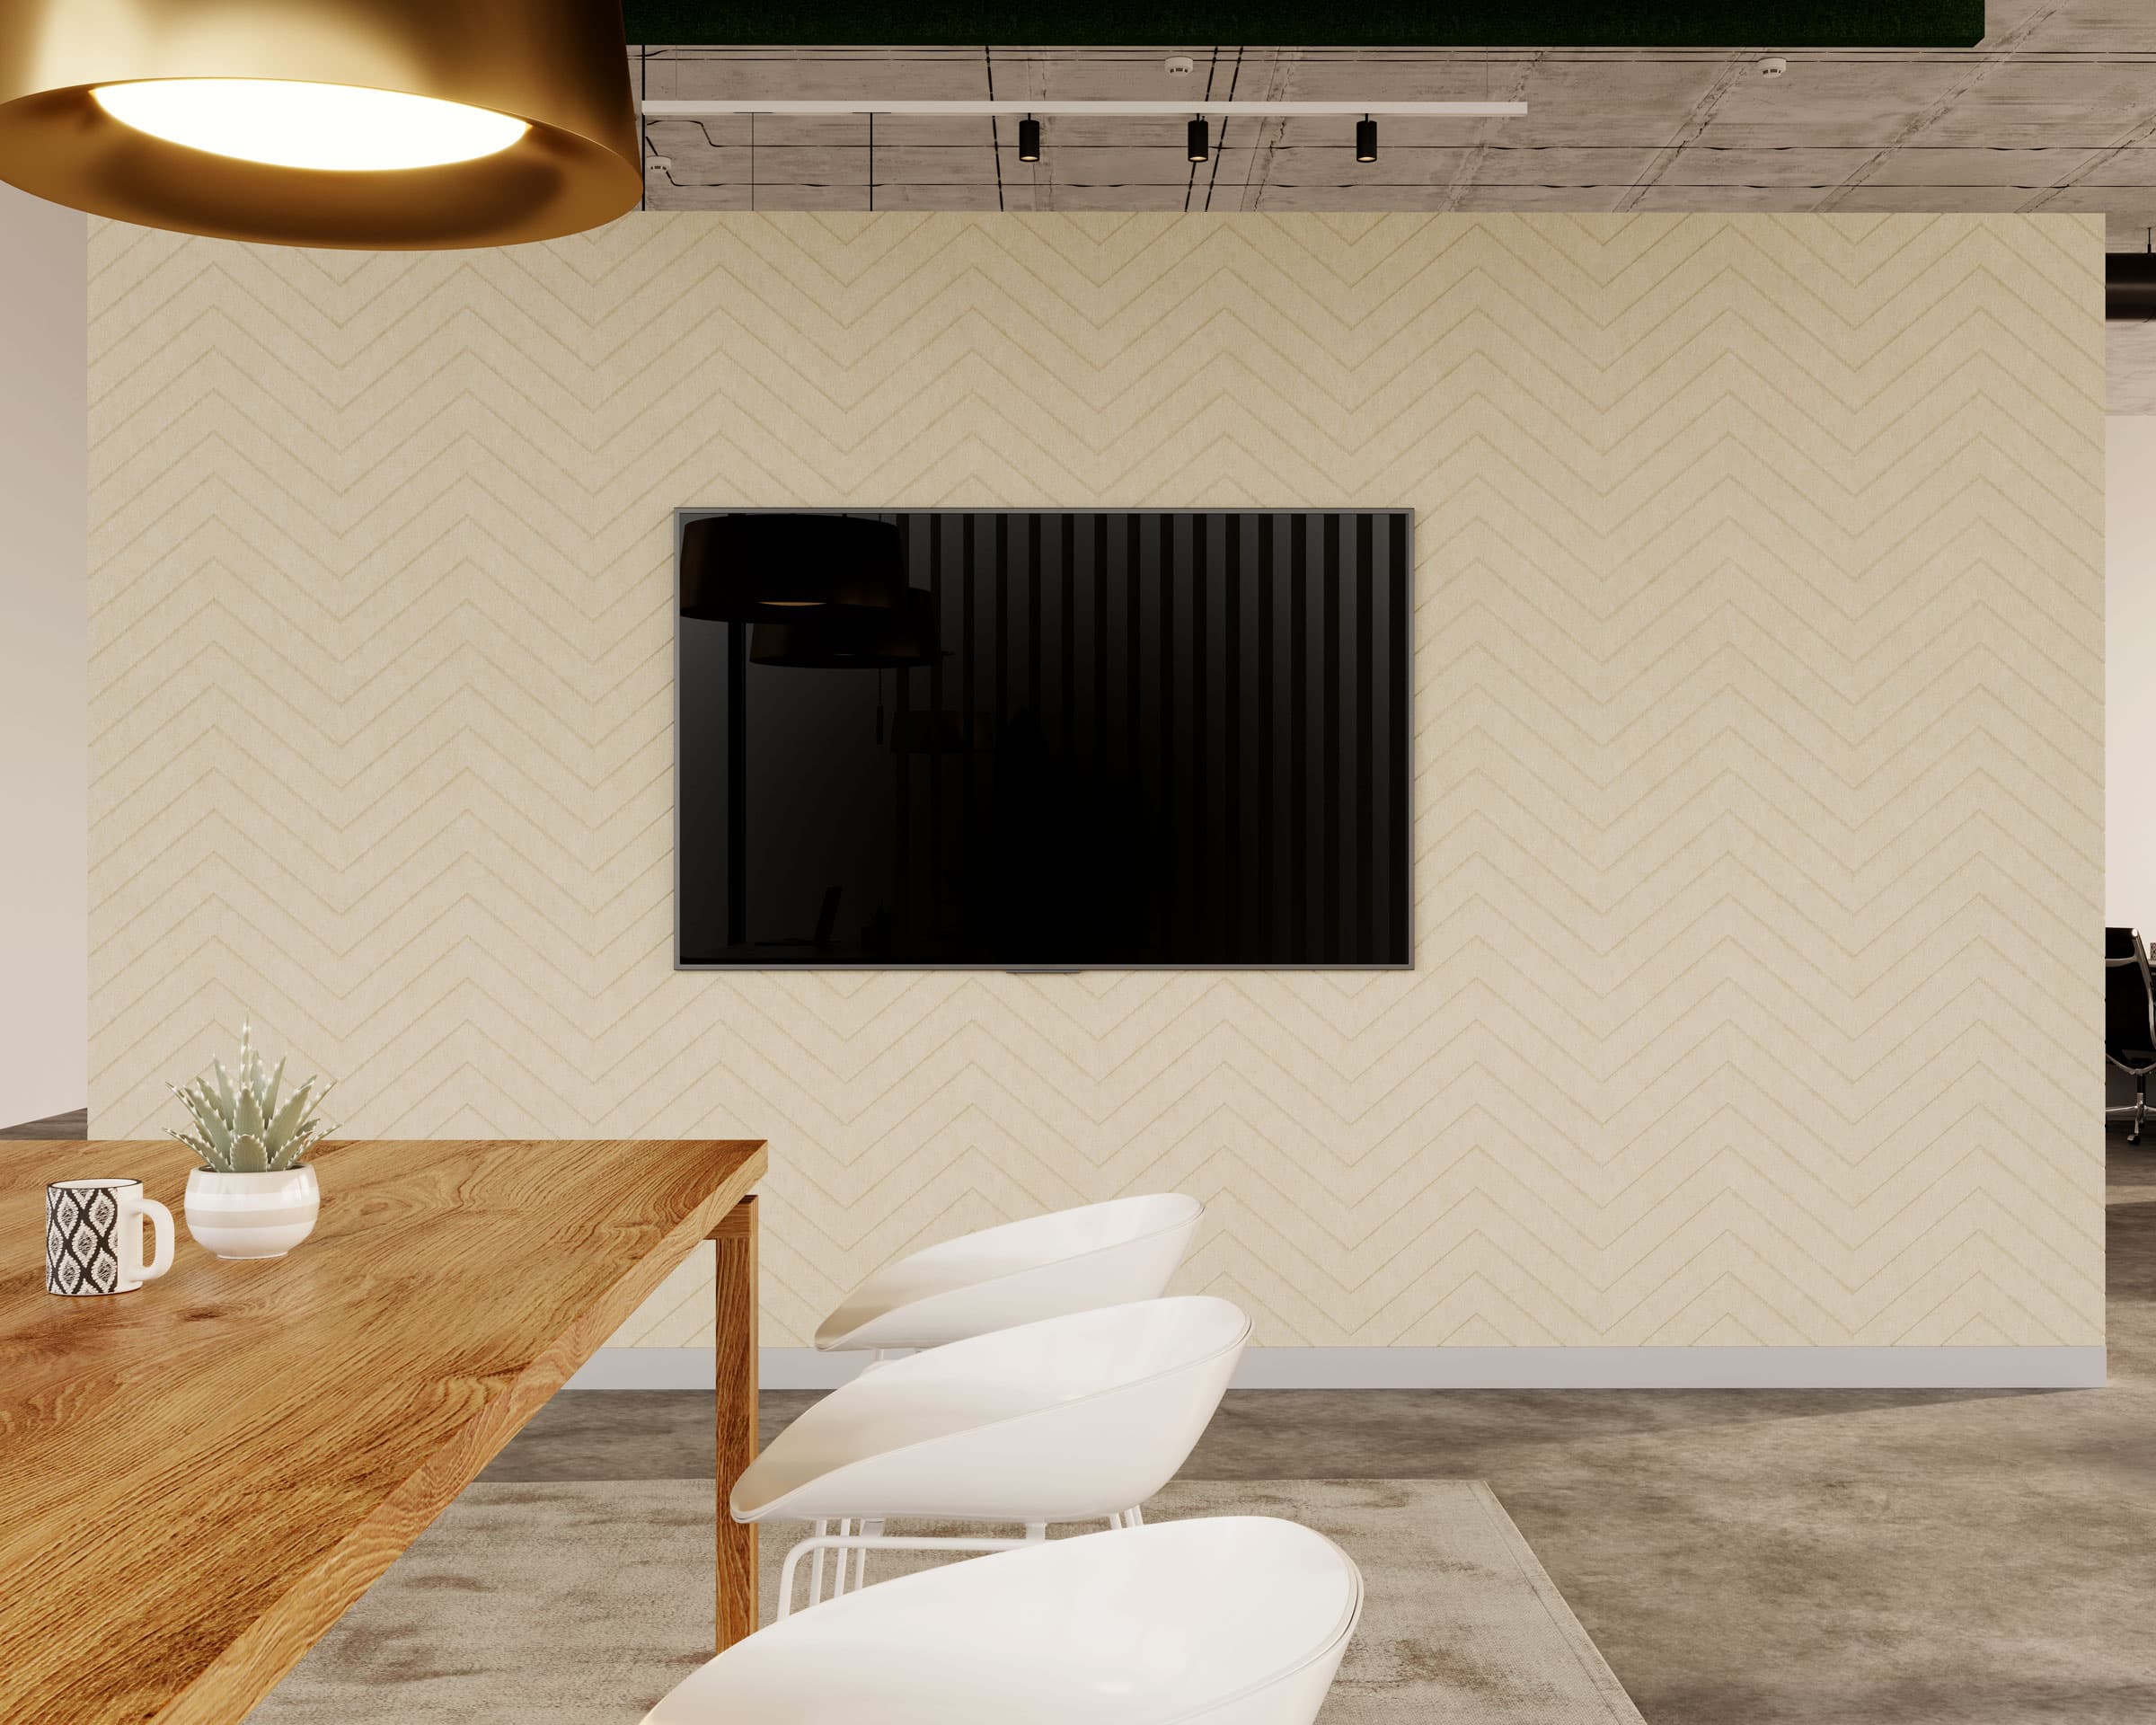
[
  {"x": 1233, "y": 1620},
  {"x": 1073, "y": 1419},
  {"x": 1072, "y": 1260}
]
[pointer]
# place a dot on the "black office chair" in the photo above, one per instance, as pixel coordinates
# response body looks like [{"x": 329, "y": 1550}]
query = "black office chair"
[{"x": 2130, "y": 1016}]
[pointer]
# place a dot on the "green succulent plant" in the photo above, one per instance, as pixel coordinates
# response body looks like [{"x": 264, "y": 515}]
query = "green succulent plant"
[{"x": 246, "y": 1127}]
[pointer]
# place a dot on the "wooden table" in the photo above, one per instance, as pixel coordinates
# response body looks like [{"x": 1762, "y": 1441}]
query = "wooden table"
[{"x": 196, "y": 1478}]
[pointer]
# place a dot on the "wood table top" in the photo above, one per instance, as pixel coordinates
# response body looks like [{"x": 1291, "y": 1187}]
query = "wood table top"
[{"x": 198, "y": 1477}]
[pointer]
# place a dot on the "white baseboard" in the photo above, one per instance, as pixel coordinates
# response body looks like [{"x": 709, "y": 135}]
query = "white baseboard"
[{"x": 1480, "y": 1368}]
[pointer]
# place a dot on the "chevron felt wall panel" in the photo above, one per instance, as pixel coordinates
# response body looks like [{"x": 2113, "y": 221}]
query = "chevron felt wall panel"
[{"x": 1757, "y": 768}]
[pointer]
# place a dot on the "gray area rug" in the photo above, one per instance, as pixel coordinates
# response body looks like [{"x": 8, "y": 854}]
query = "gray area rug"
[{"x": 582, "y": 1604}]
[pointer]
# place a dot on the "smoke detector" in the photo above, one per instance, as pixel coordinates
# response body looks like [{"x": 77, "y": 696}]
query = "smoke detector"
[
  {"x": 1773, "y": 66},
  {"x": 1180, "y": 66}
]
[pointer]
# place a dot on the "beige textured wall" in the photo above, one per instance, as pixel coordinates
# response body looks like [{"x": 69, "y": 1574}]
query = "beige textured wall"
[{"x": 1758, "y": 761}]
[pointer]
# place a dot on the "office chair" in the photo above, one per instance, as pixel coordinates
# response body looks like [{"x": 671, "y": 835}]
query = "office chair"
[{"x": 2130, "y": 1016}]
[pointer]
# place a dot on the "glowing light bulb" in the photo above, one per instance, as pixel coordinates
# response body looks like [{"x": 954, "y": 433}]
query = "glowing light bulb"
[{"x": 333, "y": 127}]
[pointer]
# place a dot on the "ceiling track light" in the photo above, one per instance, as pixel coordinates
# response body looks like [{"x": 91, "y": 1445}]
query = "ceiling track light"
[
  {"x": 2130, "y": 286},
  {"x": 1200, "y": 140},
  {"x": 1028, "y": 139},
  {"x": 1080, "y": 108},
  {"x": 1365, "y": 139}
]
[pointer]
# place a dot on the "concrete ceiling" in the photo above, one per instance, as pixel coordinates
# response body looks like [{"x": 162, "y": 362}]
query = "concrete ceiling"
[{"x": 2055, "y": 112}]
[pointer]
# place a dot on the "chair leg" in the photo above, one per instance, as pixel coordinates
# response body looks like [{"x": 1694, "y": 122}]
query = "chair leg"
[
  {"x": 816, "y": 1573},
  {"x": 871, "y": 1528},
  {"x": 2141, "y": 1107},
  {"x": 838, "y": 1581}
]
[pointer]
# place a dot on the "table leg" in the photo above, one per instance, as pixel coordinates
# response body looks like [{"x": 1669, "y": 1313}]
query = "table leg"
[{"x": 736, "y": 1240}]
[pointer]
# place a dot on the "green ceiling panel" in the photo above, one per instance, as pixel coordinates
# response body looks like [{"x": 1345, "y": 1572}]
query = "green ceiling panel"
[{"x": 1335, "y": 23}]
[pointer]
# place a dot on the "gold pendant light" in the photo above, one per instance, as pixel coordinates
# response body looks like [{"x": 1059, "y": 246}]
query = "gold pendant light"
[{"x": 378, "y": 124}]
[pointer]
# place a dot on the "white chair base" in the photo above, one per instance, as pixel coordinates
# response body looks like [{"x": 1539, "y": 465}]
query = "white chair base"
[{"x": 850, "y": 1574}]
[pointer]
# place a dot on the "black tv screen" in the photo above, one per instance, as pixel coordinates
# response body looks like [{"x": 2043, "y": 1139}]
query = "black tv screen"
[{"x": 1044, "y": 740}]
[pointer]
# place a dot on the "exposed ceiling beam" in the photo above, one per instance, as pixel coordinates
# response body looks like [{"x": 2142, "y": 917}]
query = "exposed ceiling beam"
[{"x": 1368, "y": 23}]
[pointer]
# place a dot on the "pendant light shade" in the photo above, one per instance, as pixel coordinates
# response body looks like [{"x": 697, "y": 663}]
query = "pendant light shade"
[
  {"x": 781, "y": 568},
  {"x": 378, "y": 124},
  {"x": 903, "y": 638}
]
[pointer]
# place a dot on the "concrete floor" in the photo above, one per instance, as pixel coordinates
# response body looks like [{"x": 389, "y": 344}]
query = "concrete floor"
[{"x": 1741, "y": 1557}]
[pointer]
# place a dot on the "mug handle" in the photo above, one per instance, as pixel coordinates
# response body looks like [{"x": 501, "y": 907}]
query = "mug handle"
[{"x": 148, "y": 1210}]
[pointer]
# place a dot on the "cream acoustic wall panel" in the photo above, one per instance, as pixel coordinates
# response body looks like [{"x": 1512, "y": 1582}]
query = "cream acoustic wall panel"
[{"x": 1758, "y": 775}]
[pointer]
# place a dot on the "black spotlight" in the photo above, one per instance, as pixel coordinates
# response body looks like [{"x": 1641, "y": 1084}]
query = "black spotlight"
[
  {"x": 1028, "y": 139},
  {"x": 2130, "y": 286},
  {"x": 1201, "y": 143},
  {"x": 1365, "y": 139}
]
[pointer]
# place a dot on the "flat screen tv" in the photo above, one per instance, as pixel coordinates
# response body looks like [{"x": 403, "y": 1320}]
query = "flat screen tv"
[{"x": 1054, "y": 739}]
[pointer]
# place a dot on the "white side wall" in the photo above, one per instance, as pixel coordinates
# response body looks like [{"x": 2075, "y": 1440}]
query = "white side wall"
[
  {"x": 2130, "y": 675},
  {"x": 44, "y": 559}
]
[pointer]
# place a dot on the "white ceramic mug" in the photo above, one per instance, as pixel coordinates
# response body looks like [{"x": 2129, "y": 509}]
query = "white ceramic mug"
[{"x": 94, "y": 1236}]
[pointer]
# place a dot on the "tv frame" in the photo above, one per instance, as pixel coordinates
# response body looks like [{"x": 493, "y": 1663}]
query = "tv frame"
[{"x": 685, "y": 513}]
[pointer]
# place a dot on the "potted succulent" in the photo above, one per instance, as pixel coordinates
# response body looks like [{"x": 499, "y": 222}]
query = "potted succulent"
[{"x": 252, "y": 1197}]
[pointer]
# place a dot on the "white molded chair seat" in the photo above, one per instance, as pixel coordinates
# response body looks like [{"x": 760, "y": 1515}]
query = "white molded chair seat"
[
  {"x": 1071, "y": 1418},
  {"x": 1043, "y": 1267},
  {"x": 1237, "y": 1620}
]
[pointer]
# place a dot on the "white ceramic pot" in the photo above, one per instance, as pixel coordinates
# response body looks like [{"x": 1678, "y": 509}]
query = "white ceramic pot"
[{"x": 251, "y": 1215}]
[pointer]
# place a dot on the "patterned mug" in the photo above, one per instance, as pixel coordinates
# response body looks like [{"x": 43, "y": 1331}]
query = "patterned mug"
[{"x": 94, "y": 1236}]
